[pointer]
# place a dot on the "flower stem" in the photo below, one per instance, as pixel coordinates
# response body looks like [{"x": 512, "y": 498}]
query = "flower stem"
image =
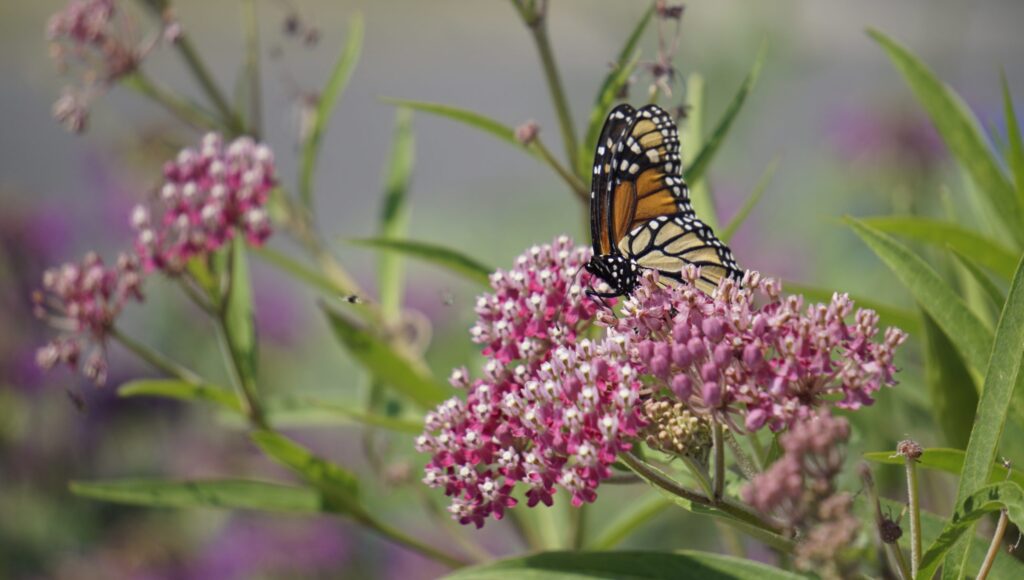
[
  {"x": 914, "y": 500},
  {"x": 209, "y": 85},
  {"x": 252, "y": 66},
  {"x": 189, "y": 113},
  {"x": 413, "y": 544},
  {"x": 571, "y": 180},
  {"x": 536, "y": 20},
  {"x": 993, "y": 548},
  {"x": 579, "y": 527},
  {"x": 719, "y": 444},
  {"x": 894, "y": 547},
  {"x": 700, "y": 474},
  {"x": 155, "y": 359}
]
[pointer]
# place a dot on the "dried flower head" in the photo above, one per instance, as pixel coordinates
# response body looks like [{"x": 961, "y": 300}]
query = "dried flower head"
[
  {"x": 910, "y": 449},
  {"x": 527, "y": 132},
  {"x": 209, "y": 194},
  {"x": 83, "y": 300},
  {"x": 746, "y": 352},
  {"x": 551, "y": 411}
]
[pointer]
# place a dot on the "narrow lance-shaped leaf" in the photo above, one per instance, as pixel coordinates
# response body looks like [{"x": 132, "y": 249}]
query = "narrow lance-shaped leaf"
[
  {"x": 339, "y": 487},
  {"x": 302, "y": 411},
  {"x": 1005, "y": 375},
  {"x": 328, "y": 99},
  {"x": 956, "y": 535},
  {"x": 696, "y": 169},
  {"x": 1015, "y": 154},
  {"x": 946, "y": 308},
  {"x": 992, "y": 292},
  {"x": 181, "y": 390},
  {"x": 954, "y": 396},
  {"x": 394, "y": 216},
  {"x": 240, "y": 327},
  {"x": 612, "y": 85},
  {"x": 452, "y": 260},
  {"x": 466, "y": 117},
  {"x": 947, "y": 461},
  {"x": 691, "y": 142},
  {"x": 755, "y": 196},
  {"x": 680, "y": 565},
  {"x": 978, "y": 248},
  {"x": 298, "y": 270},
  {"x": 961, "y": 132},
  {"x": 384, "y": 363},
  {"x": 223, "y": 493}
]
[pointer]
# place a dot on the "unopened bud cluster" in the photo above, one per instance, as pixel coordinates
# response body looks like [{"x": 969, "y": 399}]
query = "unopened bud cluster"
[{"x": 673, "y": 428}]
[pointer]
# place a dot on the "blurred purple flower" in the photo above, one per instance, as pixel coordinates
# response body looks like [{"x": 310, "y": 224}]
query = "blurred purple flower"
[
  {"x": 893, "y": 138},
  {"x": 279, "y": 317}
]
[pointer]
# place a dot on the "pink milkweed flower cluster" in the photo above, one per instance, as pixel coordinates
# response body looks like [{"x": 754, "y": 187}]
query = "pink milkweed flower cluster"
[
  {"x": 746, "y": 351},
  {"x": 553, "y": 409},
  {"x": 209, "y": 193},
  {"x": 101, "y": 39},
  {"x": 83, "y": 300}
]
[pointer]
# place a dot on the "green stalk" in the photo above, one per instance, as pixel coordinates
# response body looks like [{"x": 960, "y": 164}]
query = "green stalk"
[
  {"x": 579, "y": 526},
  {"x": 181, "y": 108},
  {"x": 570, "y": 179},
  {"x": 914, "y": 500},
  {"x": 413, "y": 544},
  {"x": 246, "y": 391},
  {"x": 719, "y": 443},
  {"x": 209, "y": 85},
  {"x": 700, "y": 474},
  {"x": 993, "y": 548},
  {"x": 155, "y": 359}
]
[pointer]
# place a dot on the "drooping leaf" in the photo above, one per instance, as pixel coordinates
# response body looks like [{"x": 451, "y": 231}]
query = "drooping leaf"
[
  {"x": 339, "y": 487},
  {"x": 954, "y": 396},
  {"x": 240, "y": 327},
  {"x": 384, "y": 363},
  {"x": 223, "y": 494},
  {"x": 466, "y": 117},
  {"x": 984, "y": 500},
  {"x": 394, "y": 216},
  {"x": 947, "y": 461},
  {"x": 961, "y": 132},
  {"x": 298, "y": 270},
  {"x": 1002, "y": 396},
  {"x": 888, "y": 315},
  {"x": 977, "y": 248},
  {"x": 612, "y": 85},
  {"x": 680, "y": 565},
  {"x": 751, "y": 202},
  {"x": 949, "y": 311},
  {"x": 696, "y": 169},
  {"x": 181, "y": 390},
  {"x": 452, "y": 260},
  {"x": 328, "y": 99}
]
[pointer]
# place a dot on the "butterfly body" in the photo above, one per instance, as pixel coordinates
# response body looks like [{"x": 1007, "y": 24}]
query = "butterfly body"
[{"x": 640, "y": 212}]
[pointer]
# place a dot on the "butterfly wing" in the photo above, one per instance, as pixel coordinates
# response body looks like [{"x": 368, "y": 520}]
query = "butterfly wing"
[
  {"x": 602, "y": 183},
  {"x": 667, "y": 244}
]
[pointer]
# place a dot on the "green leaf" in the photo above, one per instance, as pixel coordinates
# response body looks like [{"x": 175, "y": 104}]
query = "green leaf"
[
  {"x": 394, "y": 216},
  {"x": 991, "y": 291},
  {"x": 1005, "y": 375},
  {"x": 239, "y": 326},
  {"x": 325, "y": 107},
  {"x": 299, "y": 411},
  {"x": 181, "y": 390},
  {"x": 947, "y": 461},
  {"x": 969, "y": 510},
  {"x": 954, "y": 395},
  {"x": 691, "y": 142},
  {"x": 978, "y": 248},
  {"x": 681, "y": 565},
  {"x": 961, "y": 132},
  {"x": 889, "y": 315},
  {"x": 298, "y": 270},
  {"x": 751, "y": 202},
  {"x": 339, "y": 487},
  {"x": 453, "y": 260},
  {"x": 384, "y": 363},
  {"x": 696, "y": 169},
  {"x": 223, "y": 493},
  {"x": 613, "y": 82},
  {"x": 470, "y": 118},
  {"x": 949, "y": 311},
  {"x": 1015, "y": 155}
]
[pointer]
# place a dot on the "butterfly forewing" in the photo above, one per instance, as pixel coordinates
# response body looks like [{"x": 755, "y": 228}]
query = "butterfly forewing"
[{"x": 615, "y": 126}]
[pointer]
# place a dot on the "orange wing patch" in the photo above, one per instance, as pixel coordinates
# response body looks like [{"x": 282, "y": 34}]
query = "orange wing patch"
[{"x": 624, "y": 209}]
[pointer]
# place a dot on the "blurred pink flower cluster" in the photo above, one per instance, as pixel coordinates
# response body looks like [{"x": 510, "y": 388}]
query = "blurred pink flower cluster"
[
  {"x": 553, "y": 409},
  {"x": 83, "y": 300},
  {"x": 209, "y": 193},
  {"x": 746, "y": 351}
]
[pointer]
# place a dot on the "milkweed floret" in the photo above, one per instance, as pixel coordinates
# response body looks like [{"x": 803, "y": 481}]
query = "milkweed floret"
[
  {"x": 748, "y": 353},
  {"x": 83, "y": 300},
  {"x": 209, "y": 193},
  {"x": 554, "y": 415}
]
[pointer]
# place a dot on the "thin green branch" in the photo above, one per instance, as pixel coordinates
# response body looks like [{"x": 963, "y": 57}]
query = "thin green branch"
[
  {"x": 578, "y": 526},
  {"x": 188, "y": 112},
  {"x": 209, "y": 85},
  {"x": 719, "y": 446},
  {"x": 245, "y": 389},
  {"x": 155, "y": 359},
  {"x": 993, "y": 548},
  {"x": 913, "y": 498},
  {"x": 570, "y": 179},
  {"x": 413, "y": 544}
]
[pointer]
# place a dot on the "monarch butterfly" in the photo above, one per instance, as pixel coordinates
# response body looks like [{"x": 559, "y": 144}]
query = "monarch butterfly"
[{"x": 640, "y": 212}]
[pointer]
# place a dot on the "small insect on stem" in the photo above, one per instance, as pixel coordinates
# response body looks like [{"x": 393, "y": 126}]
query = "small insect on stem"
[{"x": 352, "y": 299}]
